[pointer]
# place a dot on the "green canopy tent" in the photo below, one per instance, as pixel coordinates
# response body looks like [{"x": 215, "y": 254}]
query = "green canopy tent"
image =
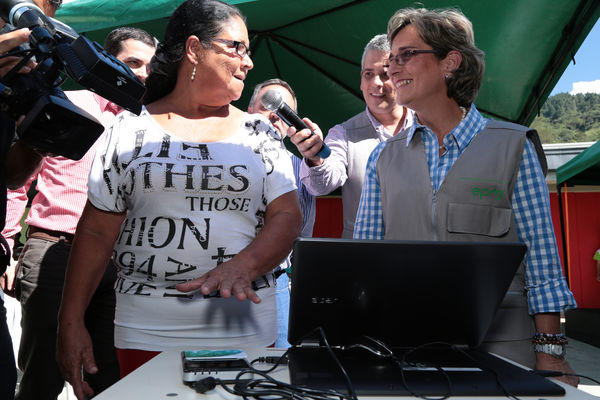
[
  {"x": 316, "y": 45},
  {"x": 584, "y": 169}
]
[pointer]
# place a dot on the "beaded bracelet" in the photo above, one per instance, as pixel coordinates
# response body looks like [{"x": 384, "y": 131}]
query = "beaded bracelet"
[{"x": 549, "y": 338}]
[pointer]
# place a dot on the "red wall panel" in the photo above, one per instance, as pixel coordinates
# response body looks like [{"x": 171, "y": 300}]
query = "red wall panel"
[
  {"x": 582, "y": 214},
  {"x": 329, "y": 222}
]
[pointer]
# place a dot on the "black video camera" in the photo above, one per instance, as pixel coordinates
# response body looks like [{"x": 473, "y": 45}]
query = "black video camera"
[{"x": 52, "y": 123}]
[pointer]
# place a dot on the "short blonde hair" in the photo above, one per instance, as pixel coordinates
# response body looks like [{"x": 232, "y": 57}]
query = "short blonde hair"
[{"x": 445, "y": 30}]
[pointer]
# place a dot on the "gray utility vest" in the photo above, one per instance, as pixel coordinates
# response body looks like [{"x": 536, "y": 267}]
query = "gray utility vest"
[
  {"x": 362, "y": 139},
  {"x": 472, "y": 204}
]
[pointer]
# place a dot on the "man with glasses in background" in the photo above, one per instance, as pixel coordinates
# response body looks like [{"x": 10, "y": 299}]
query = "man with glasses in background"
[{"x": 352, "y": 141}]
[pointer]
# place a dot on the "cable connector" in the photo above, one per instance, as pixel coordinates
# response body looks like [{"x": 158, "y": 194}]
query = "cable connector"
[
  {"x": 273, "y": 360},
  {"x": 206, "y": 384}
]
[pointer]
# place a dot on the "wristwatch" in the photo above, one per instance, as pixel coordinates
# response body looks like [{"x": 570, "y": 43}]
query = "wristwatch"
[{"x": 556, "y": 350}]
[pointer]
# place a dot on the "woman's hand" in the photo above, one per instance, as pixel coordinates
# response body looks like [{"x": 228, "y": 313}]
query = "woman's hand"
[
  {"x": 547, "y": 362},
  {"x": 272, "y": 244},
  {"x": 91, "y": 249},
  {"x": 550, "y": 323},
  {"x": 229, "y": 278},
  {"x": 73, "y": 351}
]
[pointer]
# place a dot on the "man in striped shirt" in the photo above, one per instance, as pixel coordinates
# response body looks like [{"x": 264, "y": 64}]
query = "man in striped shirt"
[
  {"x": 52, "y": 220},
  {"x": 307, "y": 200}
]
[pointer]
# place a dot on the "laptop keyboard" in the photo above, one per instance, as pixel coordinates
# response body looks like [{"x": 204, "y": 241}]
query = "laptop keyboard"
[{"x": 432, "y": 372}]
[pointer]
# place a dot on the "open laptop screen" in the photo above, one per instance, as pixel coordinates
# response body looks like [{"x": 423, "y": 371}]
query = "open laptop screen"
[{"x": 404, "y": 293}]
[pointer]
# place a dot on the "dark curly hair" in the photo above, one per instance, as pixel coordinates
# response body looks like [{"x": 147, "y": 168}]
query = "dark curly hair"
[{"x": 202, "y": 18}]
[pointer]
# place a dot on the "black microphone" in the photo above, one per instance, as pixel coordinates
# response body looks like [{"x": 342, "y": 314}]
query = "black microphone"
[{"x": 272, "y": 101}]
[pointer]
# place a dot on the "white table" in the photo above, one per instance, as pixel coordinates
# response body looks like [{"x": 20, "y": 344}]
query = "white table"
[{"x": 161, "y": 379}]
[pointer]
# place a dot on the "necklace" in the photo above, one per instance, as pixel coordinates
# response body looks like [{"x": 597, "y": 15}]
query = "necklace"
[{"x": 464, "y": 114}]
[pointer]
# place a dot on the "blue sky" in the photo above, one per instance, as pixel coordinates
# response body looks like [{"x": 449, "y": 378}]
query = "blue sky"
[{"x": 584, "y": 76}]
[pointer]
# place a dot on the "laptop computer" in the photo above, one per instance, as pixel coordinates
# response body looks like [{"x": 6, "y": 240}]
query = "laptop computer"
[{"x": 371, "y": 296}]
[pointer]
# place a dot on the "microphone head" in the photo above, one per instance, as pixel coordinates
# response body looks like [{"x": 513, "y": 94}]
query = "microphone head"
[{"x": 271, "y": 100}]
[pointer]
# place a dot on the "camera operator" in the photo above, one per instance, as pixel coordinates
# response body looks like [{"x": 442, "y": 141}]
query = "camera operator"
[
  {"x": 17, "y": 162},
  {"x": 52, "y": 219}
]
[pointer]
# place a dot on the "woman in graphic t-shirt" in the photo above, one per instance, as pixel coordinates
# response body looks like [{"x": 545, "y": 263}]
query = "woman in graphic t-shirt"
[{"x": 193, "y": 198}]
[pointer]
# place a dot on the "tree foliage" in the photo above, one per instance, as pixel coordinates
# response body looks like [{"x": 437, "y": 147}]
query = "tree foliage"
[{"x": 566, "y": 118}]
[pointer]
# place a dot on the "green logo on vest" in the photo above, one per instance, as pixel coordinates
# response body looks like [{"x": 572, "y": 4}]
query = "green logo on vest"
[{"x": 495, "y": 194}]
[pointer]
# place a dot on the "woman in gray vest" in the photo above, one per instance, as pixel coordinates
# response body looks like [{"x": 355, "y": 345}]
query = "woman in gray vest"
[{"x": 457, "y": 176}]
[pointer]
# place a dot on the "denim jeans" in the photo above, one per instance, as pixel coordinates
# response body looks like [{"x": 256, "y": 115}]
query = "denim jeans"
[{"x": 283, "y": 310}]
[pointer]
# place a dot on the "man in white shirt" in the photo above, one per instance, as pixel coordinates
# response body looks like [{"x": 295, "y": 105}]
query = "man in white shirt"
[{"x": 352, "y": 141}]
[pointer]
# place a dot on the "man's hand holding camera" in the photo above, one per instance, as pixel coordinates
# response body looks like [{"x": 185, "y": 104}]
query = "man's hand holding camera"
[{"x": 8, "y": 42}]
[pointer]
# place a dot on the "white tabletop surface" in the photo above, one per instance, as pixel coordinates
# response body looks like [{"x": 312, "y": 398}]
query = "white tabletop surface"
[{"x": 161, "y": 378}]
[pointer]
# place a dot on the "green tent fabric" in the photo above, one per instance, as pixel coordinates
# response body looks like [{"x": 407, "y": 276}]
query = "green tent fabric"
[
  {"x": 316, "y": 45},
  {"x": 584, "y": 169}
]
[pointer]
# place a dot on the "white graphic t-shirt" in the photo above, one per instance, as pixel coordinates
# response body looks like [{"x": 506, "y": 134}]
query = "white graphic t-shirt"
[{"x": 190, "y": 207}]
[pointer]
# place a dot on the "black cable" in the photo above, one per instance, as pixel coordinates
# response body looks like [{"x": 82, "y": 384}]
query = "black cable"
[
  {"x": 401, "y": 363},
  {"x": 490, "y": 370},
  {"x": 404, "y": 363},
  {"x": 277, "y": 361},
  {"x": 269, "y": 387},
  {"x": 554, "y": 374},
  {"x": 349, "y": 385},
  {"x": 266, "y": 387},
  {"x": 205, "y": 384},
  {"x": 272, "y": 389},
  {"x": 388, "y": 353},
  {"x": 584, "y": 377}
]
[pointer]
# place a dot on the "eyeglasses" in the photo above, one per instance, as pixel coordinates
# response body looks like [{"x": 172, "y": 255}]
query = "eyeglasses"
[
  {"x": 405, "y": 56},
  {"x": 240, "y": 48}
]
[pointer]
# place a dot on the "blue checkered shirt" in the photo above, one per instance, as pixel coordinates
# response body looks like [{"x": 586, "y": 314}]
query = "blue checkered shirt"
[{"x": 547, "y": 288}]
